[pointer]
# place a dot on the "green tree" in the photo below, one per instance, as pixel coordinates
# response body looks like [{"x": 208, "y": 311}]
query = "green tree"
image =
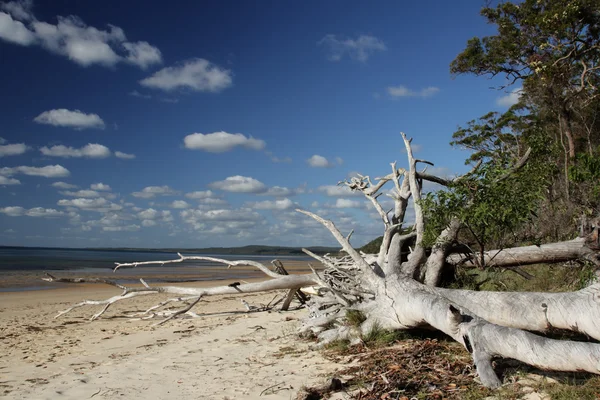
[{"x": 553, "y": 47}]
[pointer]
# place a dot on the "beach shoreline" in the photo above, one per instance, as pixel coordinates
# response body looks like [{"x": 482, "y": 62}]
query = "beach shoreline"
[{"x": 226, "y": 353}]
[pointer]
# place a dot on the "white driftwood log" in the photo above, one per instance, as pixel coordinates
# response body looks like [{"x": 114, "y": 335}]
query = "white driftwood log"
[{"x": 398, "y": 293}]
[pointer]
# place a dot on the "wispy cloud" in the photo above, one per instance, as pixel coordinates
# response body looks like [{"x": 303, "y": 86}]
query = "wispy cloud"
[
  {"x": 38, "y": 212},
  {"x": 74, "y": 39},
  {"x": 403, "y": 91},
  {"x": 49, "y": 171},
  {"x": 317, "y": 161},
  {"x": 124, "y": 156},
  {"x": 70, "y": 119},
  {"x": 510, "y": 99},
  {"x": 198, "y": 74},
  {"x": 220, "y": 142},
  {"x": 239, "y": 184},
  {"x": 153, "y": 191},
  {"x": 91, "y": 150},
  {"x": 14, "y": 149},
  {"x": 359, "y": 49}
]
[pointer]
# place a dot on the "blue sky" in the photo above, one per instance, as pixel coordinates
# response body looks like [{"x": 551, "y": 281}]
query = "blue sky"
[{"x": 207, "y": 123}]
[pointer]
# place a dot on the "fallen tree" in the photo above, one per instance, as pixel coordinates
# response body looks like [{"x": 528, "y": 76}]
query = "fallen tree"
[{"x": 396, "y": 292}]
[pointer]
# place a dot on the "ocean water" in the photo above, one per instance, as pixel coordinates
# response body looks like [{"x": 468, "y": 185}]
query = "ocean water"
[
  {"x": 23, "y": 268},
  {"x": 44, "y": 259}
]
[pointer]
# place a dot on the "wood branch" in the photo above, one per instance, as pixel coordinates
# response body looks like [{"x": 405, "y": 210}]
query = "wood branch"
[
  {"x": 415, "y": 259},
  {"x": 371, "y": 275},
  {"x": 183, "y": 258},
  {"x": 527, "y": 255},
  {"x": 571, "y": 311},
  {"x": 282, "y": 282},
  {"x": 436, "y": 260},
  {"x": 520, "y": 164}
]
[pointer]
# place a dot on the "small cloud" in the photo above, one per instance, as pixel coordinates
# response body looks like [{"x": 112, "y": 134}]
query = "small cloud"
[
  {"x": 359, "y": 49},
  {"x": 4, "y": 181},
  {"x": 71, "y": 119},
  {"x": 198, "y": 195},
  {"x": 91, "y": 150},
  {"x": 12, "y": 149},
  {"x": 403, "y": 91},
  {"x": 135, "y": 93},
  {"x": 179, "y": 204},
  {"x": 153, "y": 191},
  {"x": 337, "y": 191},
  {"x": 124, "y": 156},
  {"x": 198, "y": 74},
  {"x": 510, "y": 99},
  {"x": 37, "y": 212},
  {"x": 220, "y": 142},
  {"x": 346, "y": 203},
  {"x": 318, "y": 161},
  {"x": 283, "y": 204},
  {"x": 98, "y": 204},
  {"x": 49, "y": 171},
  {"x": 100, "y": 187},
  {"x": 239, "y": 184},
  {"x": 63, "y": 185}
]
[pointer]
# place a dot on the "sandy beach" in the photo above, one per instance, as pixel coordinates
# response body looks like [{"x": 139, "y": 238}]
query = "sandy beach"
[{"x": 227, "y": 353}]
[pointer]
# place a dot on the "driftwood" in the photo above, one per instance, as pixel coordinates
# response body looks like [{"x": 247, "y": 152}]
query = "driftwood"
[{"x": 396, "y": 293}]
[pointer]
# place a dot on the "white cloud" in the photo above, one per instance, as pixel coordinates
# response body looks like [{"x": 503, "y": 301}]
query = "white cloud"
[
  {"x": 281, "y": 160},
  {"x": 337, "y": 191},
  {"x": 202, "y": 194},
  {"x": 283, "y": 204},
  {"x": 71, "y": 119},
  {"x": 155, "y": 215},
  {"x": 49, "y": 171},
  {"x": 124, "y": 156},
  {"x": 142, "y": 54},
  {"x": 9, "y": 181},
  {"x": 12, "y": 149},
  {"x": 98, "y": 204},
  {"x": 510, "y": 99},
  {"x": 126, "y": 228},
  {"x": 339, "y": 160},
  {"x": 63, "y": 185},
  {"x": 346, "y": 203},
  {"x": 21, "y": 10},
  {"x": 219, "y": 142},
  {"x": 403, "y": 91},
  {"x": 239, "y": 184},
  {"x": 197, "y": 74},
  {"x": 152, "y": 191},
  {"x": 32, "y": 212},
  {"x": 91, "y": 150},
  {"x": 101, "y": 187},
  {"x": 318, "y": 161},
  {"x": 135, "y": 93},
  {"x": 179, "y": 204},
  {"x": 280, "y": 191},
  {"x": 14, "y": 31},
  {"x": 359, "y": 49},
  {"x": 72, "y": 38},
  {"x": 90, "y": 194}
]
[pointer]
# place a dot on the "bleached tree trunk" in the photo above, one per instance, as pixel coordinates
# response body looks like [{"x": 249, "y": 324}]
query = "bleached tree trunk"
[{"x": 390, "y": 292}]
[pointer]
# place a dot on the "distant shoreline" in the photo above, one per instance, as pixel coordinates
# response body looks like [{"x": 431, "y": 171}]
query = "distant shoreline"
[{"x": 253, "y": 250}]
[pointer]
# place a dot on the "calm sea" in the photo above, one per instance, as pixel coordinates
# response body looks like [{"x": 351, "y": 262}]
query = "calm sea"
[{"x": 22, "y": 268}]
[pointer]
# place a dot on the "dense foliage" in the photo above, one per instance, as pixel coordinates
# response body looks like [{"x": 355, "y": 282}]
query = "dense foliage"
[{"x": 551, "y": 49}]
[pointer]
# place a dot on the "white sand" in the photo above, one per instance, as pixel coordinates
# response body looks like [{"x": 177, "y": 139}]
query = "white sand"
[{"x": 218, "y": 356}]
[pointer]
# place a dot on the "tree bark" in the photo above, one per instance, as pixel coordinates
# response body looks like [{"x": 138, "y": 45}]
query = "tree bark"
[{"x": 576, "y": 249}]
